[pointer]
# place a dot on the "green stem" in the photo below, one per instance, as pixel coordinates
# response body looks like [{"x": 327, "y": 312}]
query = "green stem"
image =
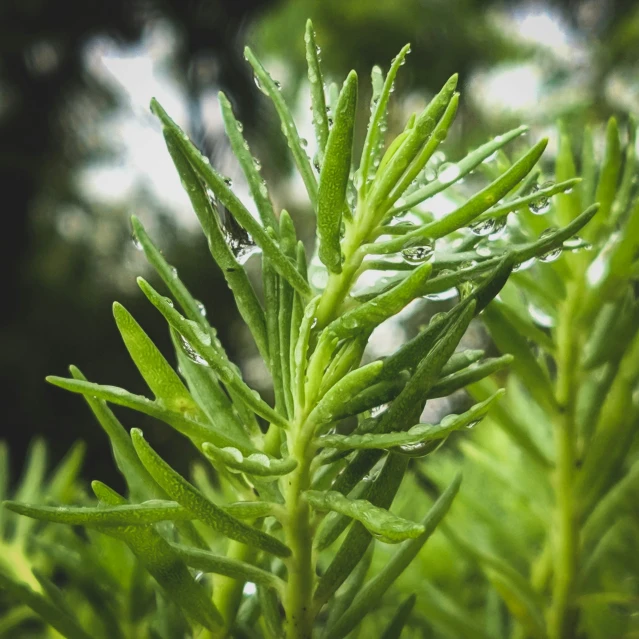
[
  {"x": 299, "y": 537},
  {"x": 562, "y": 614}
]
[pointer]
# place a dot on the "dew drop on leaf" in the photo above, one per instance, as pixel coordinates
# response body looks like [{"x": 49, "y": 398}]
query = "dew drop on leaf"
[
  {"x": 418, "y": 254},
  {"x": 201, "y": 308},
  {"x": 136, "y": 241},
  {"x": 483, "y": 228},
  {"x": 542, "y": 204},
  {"x": 524, "y": 266},
  {"x": 442, "y": 296},
  {"x": 240, "y": 126},
  {"x": 551, "y": 256},
  {"x": 448, "y": 172}
]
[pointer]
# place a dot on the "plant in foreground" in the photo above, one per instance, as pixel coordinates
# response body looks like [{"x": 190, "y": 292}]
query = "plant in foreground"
[{"x": 330, "y": 456}]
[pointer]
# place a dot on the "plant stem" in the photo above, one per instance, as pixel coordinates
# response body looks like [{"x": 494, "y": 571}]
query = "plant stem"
[
  {"x": 562, "y": 615},
  {"x": 301, "y": 576}
]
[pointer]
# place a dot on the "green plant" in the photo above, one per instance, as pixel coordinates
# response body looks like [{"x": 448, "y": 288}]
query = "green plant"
[
  {"x": 557, "y": 459},
  {"x": 343, "y": 430}
]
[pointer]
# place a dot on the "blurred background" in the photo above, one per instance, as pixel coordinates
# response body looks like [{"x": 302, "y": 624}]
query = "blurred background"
[{"x": 80, "y": 152}]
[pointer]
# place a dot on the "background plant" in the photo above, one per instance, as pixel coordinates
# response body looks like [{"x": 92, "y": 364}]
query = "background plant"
[
  {"x": 277, "y": 476},
  {"x": 548, "y": 511}
]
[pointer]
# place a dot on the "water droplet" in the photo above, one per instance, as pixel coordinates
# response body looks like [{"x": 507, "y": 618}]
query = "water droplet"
[
  {"x": 304, "y": 142},
  {"x": 378, "y": 410},
  {"x": 551, "y": 256},
  {"x": 483, "y": 227},
  {"x": 239, "y": 241},
  {"x": 228, "y": 181},
  {"x": 240, "y": 126},
  {"x": 500, "y": 227},
  {"x": 524, "y": 266},
  {"x": 278, "y": 85},
  {"x": 174, "y": 272},
  {"x": 201, "y": 308},
  {"x": 448, "y": 172},
  {"x": 577, "y": 244},
  {"x": 191, "y": 353},
  {"x": 316, "y": 163},
  {"x": 540, "y": 317},
  {"x": 136, "y": 241},
  {"x": 257, "y": 164},
  {"x": 483, "y": 250},
  {"x": 199, "y": 576},
  {"x": 418, "y": 254},
  {"x": 442, "y": 296},
  {"x": 473, "y": 423},
  {"x": 542, "y": 204},
  {"x": 258, "y": 84}
]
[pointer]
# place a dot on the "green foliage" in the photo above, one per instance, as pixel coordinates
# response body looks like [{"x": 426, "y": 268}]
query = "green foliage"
[{"x": 331, "y": 455}]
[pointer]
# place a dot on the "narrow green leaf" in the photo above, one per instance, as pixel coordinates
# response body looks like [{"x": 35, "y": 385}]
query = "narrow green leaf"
[
  {"x": 30, "y": 485},
  {"x": 520, "y": 202},
  {"x": 588, "y": 168},
  {"x": 436, "y": 138},
  {"x": 163, "y": 563},
  {"x": 568, "y": 205},
  {"x": 608, "y": 177},
  {"x": 61, "y": 484},
  {"x": 210, "y": 562},
  {"x": 397, "y": 623},
  {"x": 285, "y": 313},
  {"x": 622, "y": 198},
  {"x": 473, "y": 373},
  {"x": 188, "y": 496},
  {"x": 381, "y": 493},
  {"x": 192, "y": 309},
  {"x": 197, "y": 431},
  {"x": 271, "y": 285},
  {"x": 219, "y": 244},
  {"x": 334, "y": 176},
  {"x": 66, "y": 625},
  {"x": 509, "y": 340},
  {"x": 370, "y": 314},
  {"x": 425, "y": 123},
  {"x": 318, "y": 99},
  {"x": 474, "y": 207},
  {"x": 351, "y": 384},
  {"x": 460, "y": 360},
  {"x": 289, "y": 129},
  {"x": 465, "y": 166},
  {"x": 139, "y": 482},
  {"x": 163, "y": 381},
  {"x": 375, "y": 395},
  {"x": 201, "y": 344},
  {"x": 249, "y": 164},
  {"x": 177, "y": 141},
  {"x": 301, "y": 350},
  {"x": 416, "y": 435},
  {"x": 374, "y": 134},
  {"x": 379, "y": 521},
  {"x": 255, "y": 464},
  {"x": 376, "y": 587}
]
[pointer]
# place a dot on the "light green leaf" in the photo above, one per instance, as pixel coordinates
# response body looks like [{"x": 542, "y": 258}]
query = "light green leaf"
[
  {"x": 209, "y": 562},
  {"x": 66, "y": 625},
  {"x": 201, "y": 345},
  {"x": 449, "y": 384},
  {"x": 374, "y": 136},
  {"x": 334, "y": 175},
  {"x": 163, "y": 381},
  {"x": 177, "y": 140},
  {"x": 465, "y": 166},
  {"x": 255, "y": 464},
  {"x": 205, "y": 510},
  {"x": 379, "y": 521},
  {"x": 197, "y": 431},
  {"x": 163, "y": 563},
  {"x": 268, "y": 86},
  {"x": 376, "y": 587},
  {"x": 397, "y": 623},
  {"x": 318, "y": 99},
  {"x": 416, "y": 435},
  {"x": 249, "y": 164}
]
